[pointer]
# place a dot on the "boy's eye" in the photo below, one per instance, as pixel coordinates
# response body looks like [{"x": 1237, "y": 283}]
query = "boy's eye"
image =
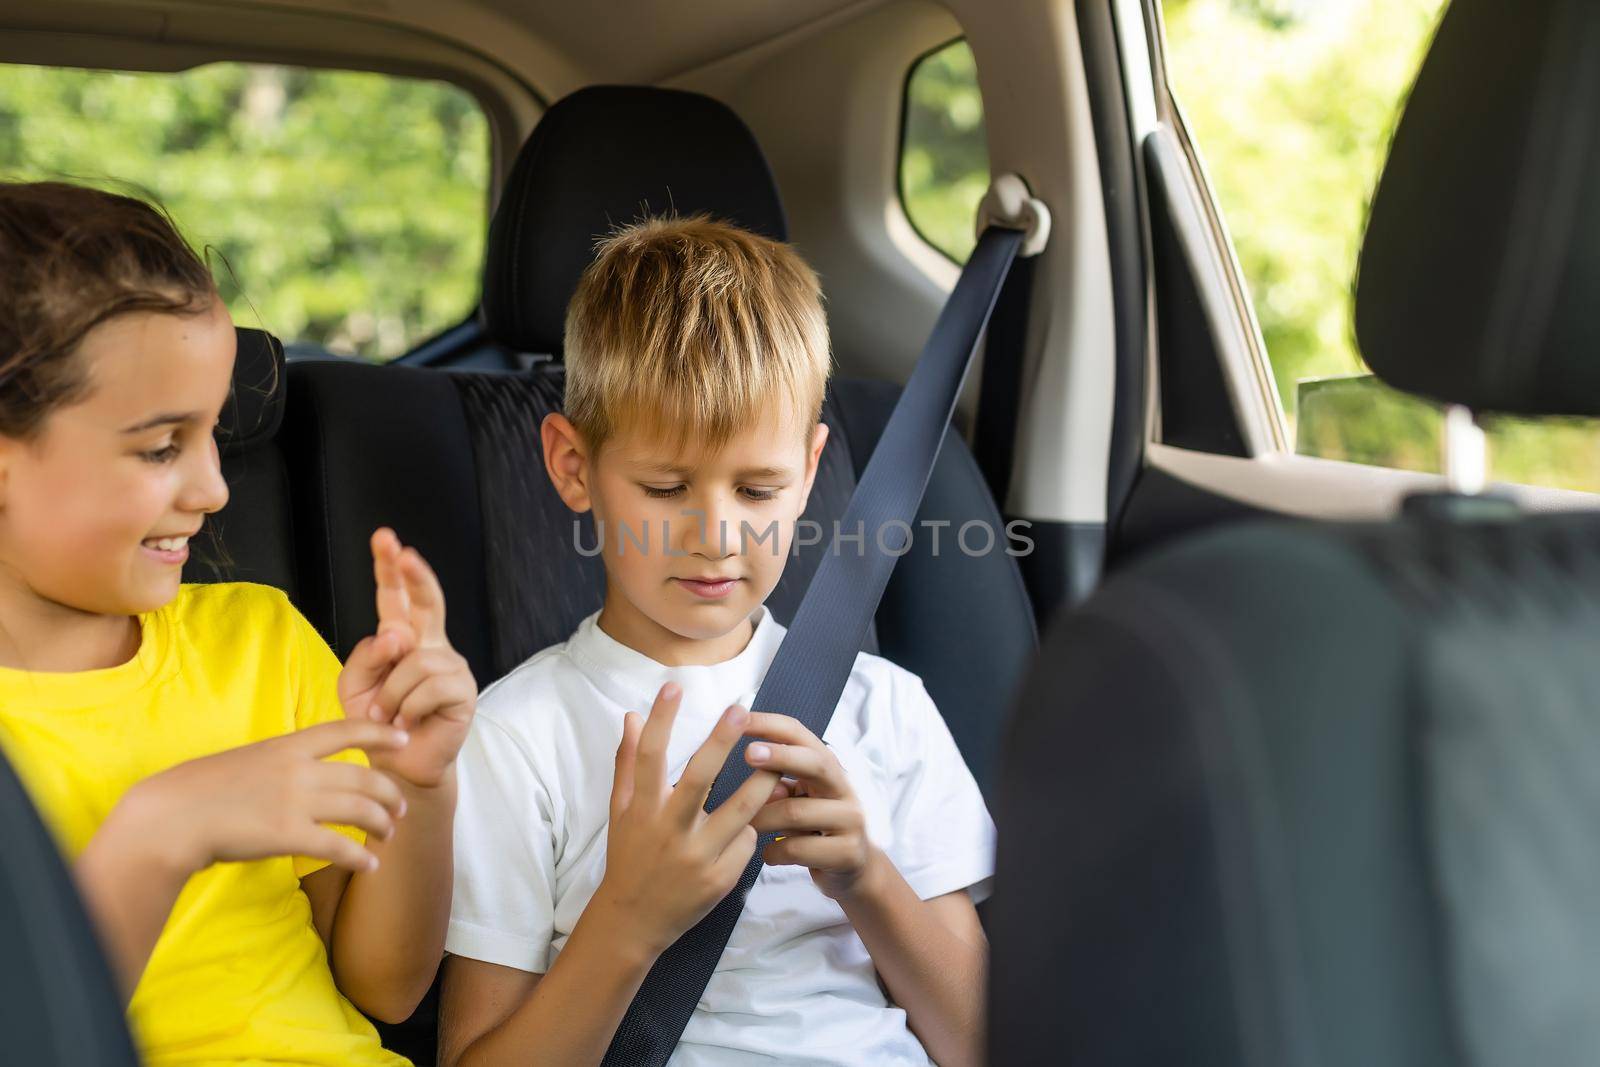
[
  {"x": 752, "y": 493},
  {"x": 660, "y": 493},
  {"x": 161, "y": 455}
]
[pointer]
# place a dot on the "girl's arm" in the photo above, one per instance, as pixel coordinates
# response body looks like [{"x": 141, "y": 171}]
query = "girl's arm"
[
  {"x": 385, "y": 928},
  {"x": 271, "y": 798}
]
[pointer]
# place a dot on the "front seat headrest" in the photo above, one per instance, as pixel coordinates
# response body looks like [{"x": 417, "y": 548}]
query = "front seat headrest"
[
  {"x": 254, "y": 410},
  {"x": 1480, "y": 271},
  {"x": 601, "y": 158}
]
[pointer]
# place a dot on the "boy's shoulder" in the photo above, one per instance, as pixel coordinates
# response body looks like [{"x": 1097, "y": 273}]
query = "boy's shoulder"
[{"x": 526, "y": 691}]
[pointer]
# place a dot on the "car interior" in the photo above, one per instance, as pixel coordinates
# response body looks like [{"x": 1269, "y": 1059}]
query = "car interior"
[{"x": 1218, "y": 842}]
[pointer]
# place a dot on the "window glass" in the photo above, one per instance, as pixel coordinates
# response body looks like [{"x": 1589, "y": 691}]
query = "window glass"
[
  {"x": 342, "y": 211},
  {"x": 1291, "y": 104},
  {"x": 944, "y": 157}
]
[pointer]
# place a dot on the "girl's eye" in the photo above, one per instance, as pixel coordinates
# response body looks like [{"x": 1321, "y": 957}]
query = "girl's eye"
[
  {"x": 161, "y": 455},
  {"x": 661, "y": 494},
  {"x": 759, "y": 494}
]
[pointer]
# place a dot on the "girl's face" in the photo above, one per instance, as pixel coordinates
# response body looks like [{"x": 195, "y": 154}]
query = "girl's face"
[{"x": 97, "y": 509}]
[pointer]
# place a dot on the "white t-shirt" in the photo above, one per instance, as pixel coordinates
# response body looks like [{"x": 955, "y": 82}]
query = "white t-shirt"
[{"x": 796, "y": 984}]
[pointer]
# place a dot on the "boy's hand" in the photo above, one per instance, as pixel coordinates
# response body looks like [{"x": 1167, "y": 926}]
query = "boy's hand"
[
  {"x": 407, "y": 673},
  {"x": 278, "y": 797},
  {"x": 820, "y": 819},
  {"x": 668, "y": 861}
]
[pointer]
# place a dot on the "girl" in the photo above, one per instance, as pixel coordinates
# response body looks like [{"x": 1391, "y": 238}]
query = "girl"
[{"x": 176, "y": 738}]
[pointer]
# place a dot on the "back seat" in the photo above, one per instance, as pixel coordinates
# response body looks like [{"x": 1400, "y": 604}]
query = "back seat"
[{"x": 452, "y": 460}]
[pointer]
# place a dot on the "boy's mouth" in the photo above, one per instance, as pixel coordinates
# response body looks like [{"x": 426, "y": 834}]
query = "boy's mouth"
[
  {"x": 170, "y": 550},
  {"x": 709, "y": 588}
]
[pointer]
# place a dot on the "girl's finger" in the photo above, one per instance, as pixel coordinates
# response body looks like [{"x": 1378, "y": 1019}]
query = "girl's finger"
[
  {"x": 324, "y": 844},
  {"x": 426, "y": 598},
  {"x": 413, "y": 670},
  {"x": 370, "y": 661},
  {"x": 808, "y": 815},
  {"x": 330, "y": 738},
  {"x": 353, "y": 809},
  {"x": 354, "y": 778},
  {"x": 627, "y": 750},
  {"x": 434, "y": 692},
  {"x": 394, "y": 608}
]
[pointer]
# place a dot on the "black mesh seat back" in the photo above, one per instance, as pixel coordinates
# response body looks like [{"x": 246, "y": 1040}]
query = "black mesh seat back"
[{"x": 251, "y": 539}]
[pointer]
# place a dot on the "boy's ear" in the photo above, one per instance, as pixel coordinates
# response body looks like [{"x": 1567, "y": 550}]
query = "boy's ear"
[
  {"x": 819, "y": 437},
  {"x": 566, "y": 461}
]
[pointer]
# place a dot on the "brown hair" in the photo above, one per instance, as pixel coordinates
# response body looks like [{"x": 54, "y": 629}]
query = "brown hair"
[
  {"x": 71, "y": 258},
  {"x": 688, "y": 329}
]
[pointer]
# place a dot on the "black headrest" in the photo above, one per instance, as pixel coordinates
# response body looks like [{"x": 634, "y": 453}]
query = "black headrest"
[
  {"x": 255, "y": 410},
  {"x": 1480, "y": 272},
  {"x": 601, "y": 158}
]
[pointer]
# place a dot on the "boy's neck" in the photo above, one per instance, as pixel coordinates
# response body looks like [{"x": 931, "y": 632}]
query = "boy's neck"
[
  {"x": 37, "y": 634},
  {"x": 624, "y": 623}
]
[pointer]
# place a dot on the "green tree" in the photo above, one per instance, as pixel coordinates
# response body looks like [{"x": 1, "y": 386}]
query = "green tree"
[{"x": 343, "y": 209}]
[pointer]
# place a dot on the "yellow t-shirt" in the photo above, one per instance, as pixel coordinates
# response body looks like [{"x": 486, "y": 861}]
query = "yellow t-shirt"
[{"x": 239, "y": 974}]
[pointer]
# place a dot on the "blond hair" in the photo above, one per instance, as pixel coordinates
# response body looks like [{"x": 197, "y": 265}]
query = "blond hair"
[{"x": 691, "y": 329}]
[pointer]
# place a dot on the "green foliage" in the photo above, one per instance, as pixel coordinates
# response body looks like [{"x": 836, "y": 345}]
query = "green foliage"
[
  {"x": 944, "y": 163},
  {"x": 1292, "y": 104},
  {"x": 348, "y": 210}
]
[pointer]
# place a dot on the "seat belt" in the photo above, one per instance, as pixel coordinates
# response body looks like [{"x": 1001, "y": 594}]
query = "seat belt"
[{"x": 809, "y": 671}]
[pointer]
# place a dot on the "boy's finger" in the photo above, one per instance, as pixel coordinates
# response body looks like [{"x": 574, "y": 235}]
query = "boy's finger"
[
  {"x": 808, "y": 815},
  {"x": 330, "y": 738},
  {"x": 426, "y": 597},
  {"x": 650, "y": 770},
  {"x": 324, "y": 844},
  {"x": 734, "y": 856},
  {"x": 784, "y": 728},
  {"x": 735, "y": 813},
  {"x": 622, "y": 778},
  {"x": 689, "y": 795},
  {"x": 817, "y": 768},
  {"x": 394, "y": 609}
]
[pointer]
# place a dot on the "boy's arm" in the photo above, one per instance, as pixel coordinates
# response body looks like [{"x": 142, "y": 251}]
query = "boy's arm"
[
  {"x": 489, "y": 1014},
  {"x": 931, "y": 954},
  {"x": 668, "y": 862}
]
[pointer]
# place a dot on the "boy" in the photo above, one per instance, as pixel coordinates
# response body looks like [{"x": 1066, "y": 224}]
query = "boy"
[{"x": 697, "y": 355}]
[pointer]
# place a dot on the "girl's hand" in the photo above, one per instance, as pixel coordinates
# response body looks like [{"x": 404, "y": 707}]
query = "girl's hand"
[
  {"x": 278, "y": 797},
  {"x": 817, "y": 813},
  {"x": 408, "y": 673},
  {"x": 668, "y": 861}
]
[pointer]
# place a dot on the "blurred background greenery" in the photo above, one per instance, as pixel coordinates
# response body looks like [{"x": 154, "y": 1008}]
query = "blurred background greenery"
[
  {"x": 346, "y": 211},
  {"x": 1292, "y": 104}
]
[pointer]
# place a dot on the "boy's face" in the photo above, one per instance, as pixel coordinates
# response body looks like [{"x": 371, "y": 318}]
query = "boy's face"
[{"x": 693, "y": 542}]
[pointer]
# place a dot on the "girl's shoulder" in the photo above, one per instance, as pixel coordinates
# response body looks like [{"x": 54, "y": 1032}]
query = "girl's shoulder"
[{"x": 228, "y": 615}]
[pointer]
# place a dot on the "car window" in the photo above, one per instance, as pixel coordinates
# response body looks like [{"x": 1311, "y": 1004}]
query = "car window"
[
  {"x": 342, "y": 211},
  {"x": 1291, "y": 106},
  {"x": 944, "y": 156}
]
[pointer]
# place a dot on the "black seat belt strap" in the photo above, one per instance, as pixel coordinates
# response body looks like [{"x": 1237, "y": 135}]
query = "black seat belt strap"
[{"x": 814, "y": 661}]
